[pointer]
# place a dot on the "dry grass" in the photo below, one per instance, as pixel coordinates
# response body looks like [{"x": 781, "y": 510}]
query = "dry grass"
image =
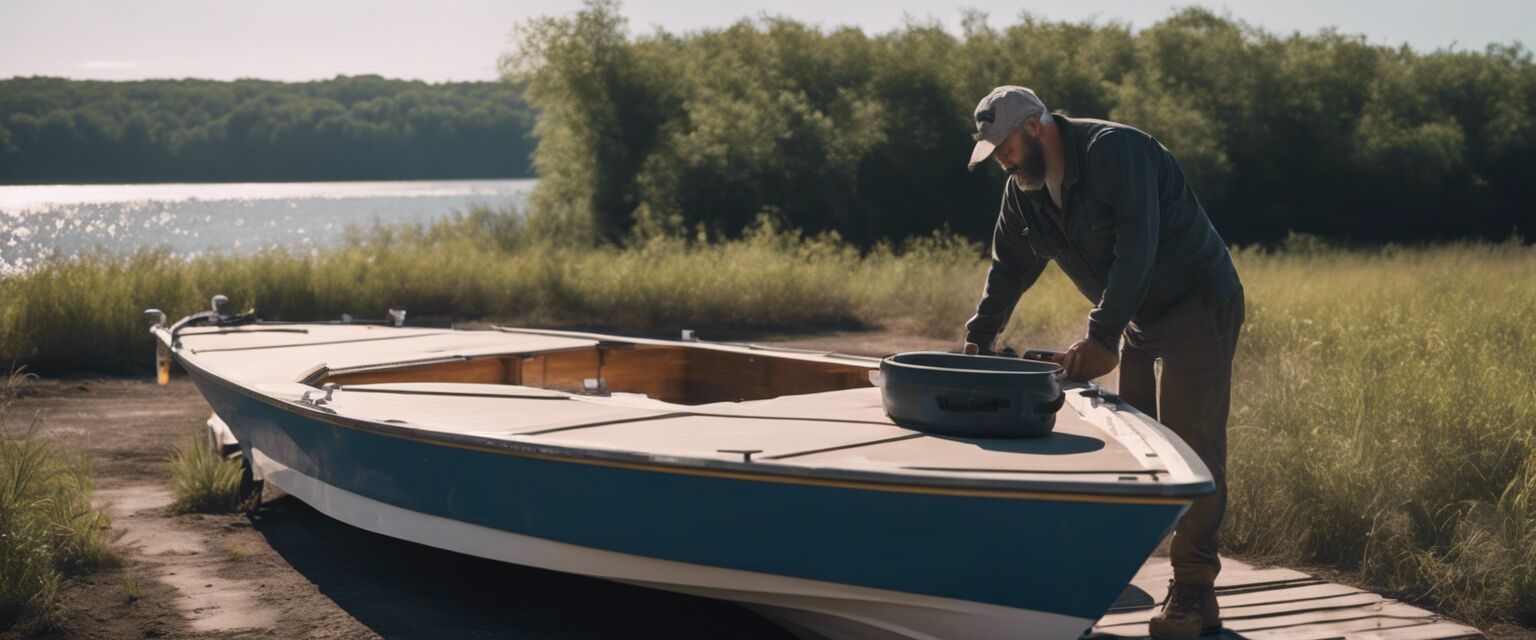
[
  {"x": 1385, "y": 420},
  {"x": 85, "y": 313}
]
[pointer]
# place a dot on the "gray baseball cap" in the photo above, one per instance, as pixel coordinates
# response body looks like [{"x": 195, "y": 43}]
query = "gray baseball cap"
[{"x": 998, "y": 114}]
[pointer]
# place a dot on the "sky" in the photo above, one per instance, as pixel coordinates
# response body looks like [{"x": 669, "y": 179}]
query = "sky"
[{"x": 450, "y": 40}]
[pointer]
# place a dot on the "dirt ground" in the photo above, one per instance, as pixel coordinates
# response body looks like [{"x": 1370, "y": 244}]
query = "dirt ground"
[{"x": 285, "y": 571}]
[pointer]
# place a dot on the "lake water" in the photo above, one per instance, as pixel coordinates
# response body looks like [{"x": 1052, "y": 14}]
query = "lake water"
[{"x": 38, "y": 221}]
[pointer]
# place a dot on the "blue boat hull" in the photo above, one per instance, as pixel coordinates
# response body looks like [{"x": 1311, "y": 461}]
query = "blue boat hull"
[{"x": 1068, "y": 557}]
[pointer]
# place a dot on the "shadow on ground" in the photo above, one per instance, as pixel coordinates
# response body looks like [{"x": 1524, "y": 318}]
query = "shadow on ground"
[{"x": 405, "y": 590}]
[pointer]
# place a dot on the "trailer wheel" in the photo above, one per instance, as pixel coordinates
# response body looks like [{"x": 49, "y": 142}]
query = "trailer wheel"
[{"x": 251, "y": 487}]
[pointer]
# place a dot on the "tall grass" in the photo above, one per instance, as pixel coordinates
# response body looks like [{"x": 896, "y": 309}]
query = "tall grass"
[
  {"x": 1384, "y": 413},
  {"x": 84, "y": 313},
  {"x": 48, "y": 528},
  {"x": 1385, "y": 420}
]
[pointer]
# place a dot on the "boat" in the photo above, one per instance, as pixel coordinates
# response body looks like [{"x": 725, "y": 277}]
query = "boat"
[{"x": 767, "y": 476}]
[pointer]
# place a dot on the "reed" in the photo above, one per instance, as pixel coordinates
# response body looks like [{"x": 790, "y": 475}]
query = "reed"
[{"x": 85, "y": 313}]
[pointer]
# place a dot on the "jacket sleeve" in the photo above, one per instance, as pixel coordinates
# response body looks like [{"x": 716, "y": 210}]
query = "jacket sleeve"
[
  {"x": 1123, "y": 175},
  {"x": 1015, "y": 267}
]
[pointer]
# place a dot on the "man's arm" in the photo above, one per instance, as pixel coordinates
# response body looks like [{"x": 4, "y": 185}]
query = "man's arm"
[
  {"x": 1015, "y": 267},
  {"x": 1124, "y": 177}
]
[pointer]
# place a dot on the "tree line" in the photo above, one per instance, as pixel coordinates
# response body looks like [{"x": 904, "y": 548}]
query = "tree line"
[
  {"x": 347, "y": 128},
  {"x": 867, "y": 134}
]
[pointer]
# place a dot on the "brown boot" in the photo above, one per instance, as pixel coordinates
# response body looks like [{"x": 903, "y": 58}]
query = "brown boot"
[{"x": 1189, "y": 611}]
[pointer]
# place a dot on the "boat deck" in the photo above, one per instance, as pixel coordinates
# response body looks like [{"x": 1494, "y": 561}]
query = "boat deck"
[
  {"x": 1274, "y": 602},
  {"x": 678, "y": 403}
]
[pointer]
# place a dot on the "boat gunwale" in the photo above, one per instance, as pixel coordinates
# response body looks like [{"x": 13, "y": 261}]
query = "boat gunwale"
[{"x": 1159, "y": 493}]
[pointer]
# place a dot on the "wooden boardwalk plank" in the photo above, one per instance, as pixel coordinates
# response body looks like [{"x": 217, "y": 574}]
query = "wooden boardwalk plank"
[
  {"x": 1443, "y": 630},
  {"x": 1291, "y": 594},
  {"x": 1340, "y": 629},
  {"x": 1385, "y": 612},
  {"x": 1232, "y": 614},
  {"x": 1281, "y": 603},
  {"x": 1351, "y": 601}
]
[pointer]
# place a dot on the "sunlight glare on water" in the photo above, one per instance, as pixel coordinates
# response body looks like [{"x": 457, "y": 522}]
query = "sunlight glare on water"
[{"x": 44, "y": 220}]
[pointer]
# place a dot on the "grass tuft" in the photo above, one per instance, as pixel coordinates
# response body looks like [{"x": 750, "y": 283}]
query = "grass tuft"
[
  {"x": 48, "y": 528},
  {"x": 131, "y": 590},
  {"x": 204, "y": 481},
  {"x": 15, "y": 383}
]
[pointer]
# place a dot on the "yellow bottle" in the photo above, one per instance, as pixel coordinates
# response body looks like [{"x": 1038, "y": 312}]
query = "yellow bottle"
[{"x": 162, "y": 363}]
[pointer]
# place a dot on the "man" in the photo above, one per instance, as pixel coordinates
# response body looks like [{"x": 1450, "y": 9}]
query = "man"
[{"x": 1111, "y": 206}]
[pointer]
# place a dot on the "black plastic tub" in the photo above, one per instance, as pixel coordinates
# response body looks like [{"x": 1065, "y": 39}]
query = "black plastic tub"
[{"x": 971, "y": 396}]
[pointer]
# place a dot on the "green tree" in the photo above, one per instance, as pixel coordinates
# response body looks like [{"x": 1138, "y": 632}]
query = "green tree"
[
  {"x": 346, "y": 128},
  {"x": 865, "y": 134}
]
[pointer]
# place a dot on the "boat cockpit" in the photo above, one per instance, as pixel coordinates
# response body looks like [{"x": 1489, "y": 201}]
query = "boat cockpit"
[{"x": 671, "y": 373}]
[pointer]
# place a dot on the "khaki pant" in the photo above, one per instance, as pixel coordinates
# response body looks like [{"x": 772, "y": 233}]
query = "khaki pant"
[{"x": 1195, "y": 340}]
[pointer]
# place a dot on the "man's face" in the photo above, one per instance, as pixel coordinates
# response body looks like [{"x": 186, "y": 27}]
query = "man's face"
[{"x": 1022, "y": 157}]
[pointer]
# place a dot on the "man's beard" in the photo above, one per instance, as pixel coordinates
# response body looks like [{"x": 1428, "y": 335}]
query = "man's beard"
[{"x": 1030, "y": 174}]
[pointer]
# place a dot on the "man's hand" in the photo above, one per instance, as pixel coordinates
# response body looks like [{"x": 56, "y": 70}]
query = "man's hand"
[
  {"x": 971, "y": 349},
  {"x": 1087, "y": 359}
]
